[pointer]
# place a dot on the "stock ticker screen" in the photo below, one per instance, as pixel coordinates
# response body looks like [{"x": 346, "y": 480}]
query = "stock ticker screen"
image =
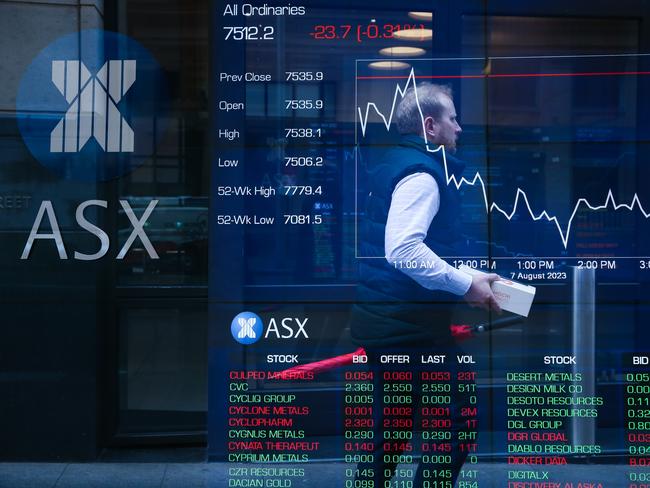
[{"x": 373, "y": 164}]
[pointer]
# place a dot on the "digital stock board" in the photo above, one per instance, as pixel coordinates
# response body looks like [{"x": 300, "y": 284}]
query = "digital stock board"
[{"x": 430, "y": 246}]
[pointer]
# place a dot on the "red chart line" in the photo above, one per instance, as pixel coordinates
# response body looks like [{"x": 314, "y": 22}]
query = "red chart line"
[{"x": 509, "y": 75}]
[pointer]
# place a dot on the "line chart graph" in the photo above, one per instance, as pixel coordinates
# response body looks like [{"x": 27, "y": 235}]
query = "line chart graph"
[{"x": 521, "y": 200}]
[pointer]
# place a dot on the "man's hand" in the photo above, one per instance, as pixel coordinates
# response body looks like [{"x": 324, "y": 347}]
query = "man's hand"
[{"x": 480, "y": 294}]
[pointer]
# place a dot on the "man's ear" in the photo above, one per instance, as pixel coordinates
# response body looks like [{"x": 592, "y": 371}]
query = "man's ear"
[{"x": 430, "y": 126}]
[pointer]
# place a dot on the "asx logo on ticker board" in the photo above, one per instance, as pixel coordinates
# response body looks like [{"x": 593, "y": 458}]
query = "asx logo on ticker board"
[{"x": 248, "y": 328}]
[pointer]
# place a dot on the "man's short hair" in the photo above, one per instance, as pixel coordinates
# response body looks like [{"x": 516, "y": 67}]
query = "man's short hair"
[{"x": 407, "y": 116}]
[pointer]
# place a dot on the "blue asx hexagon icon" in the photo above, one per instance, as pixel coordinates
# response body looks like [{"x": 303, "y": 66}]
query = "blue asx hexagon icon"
[{"x": 247, "y": 328}]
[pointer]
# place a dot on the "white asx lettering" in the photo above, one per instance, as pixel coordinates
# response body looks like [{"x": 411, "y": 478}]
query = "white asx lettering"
[
  {"x": 47, "y": 209},
  {"x": 287, "y": 325}
]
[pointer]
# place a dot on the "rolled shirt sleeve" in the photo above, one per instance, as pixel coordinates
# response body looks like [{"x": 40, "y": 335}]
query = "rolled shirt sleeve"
[{"x": 414, "y": 204}]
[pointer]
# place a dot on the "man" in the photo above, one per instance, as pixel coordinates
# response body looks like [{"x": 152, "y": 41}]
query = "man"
[{"x": 405, "y": 301}]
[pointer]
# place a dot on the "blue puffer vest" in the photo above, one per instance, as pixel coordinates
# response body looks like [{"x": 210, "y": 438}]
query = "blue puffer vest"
[{"x": 392, "y": 308}]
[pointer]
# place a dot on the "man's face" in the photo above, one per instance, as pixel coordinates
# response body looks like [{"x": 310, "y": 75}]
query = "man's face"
[{"x": 444, "y": 130}]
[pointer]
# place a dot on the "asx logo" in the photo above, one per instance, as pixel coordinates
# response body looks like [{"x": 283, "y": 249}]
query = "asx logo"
[
  {"x": 248, "y": 328},
  {"x": 47, "y": 209},
  {"x": 93, "y": 105}
]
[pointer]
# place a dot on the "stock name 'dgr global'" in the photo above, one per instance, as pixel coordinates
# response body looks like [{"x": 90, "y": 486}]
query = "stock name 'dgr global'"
[{"x": 249, "y": 10}]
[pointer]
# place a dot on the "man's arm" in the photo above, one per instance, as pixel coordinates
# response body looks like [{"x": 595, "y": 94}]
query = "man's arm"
[{"x": 414, "y": 204}]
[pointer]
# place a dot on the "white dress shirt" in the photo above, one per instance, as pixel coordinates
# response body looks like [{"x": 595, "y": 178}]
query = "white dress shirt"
[{"x": 414, "y": 204}]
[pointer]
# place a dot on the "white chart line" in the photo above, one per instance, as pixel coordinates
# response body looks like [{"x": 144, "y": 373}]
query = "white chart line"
[
  {"x": 520, "y": 196},
  {"x": 487, "y": 58}
]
